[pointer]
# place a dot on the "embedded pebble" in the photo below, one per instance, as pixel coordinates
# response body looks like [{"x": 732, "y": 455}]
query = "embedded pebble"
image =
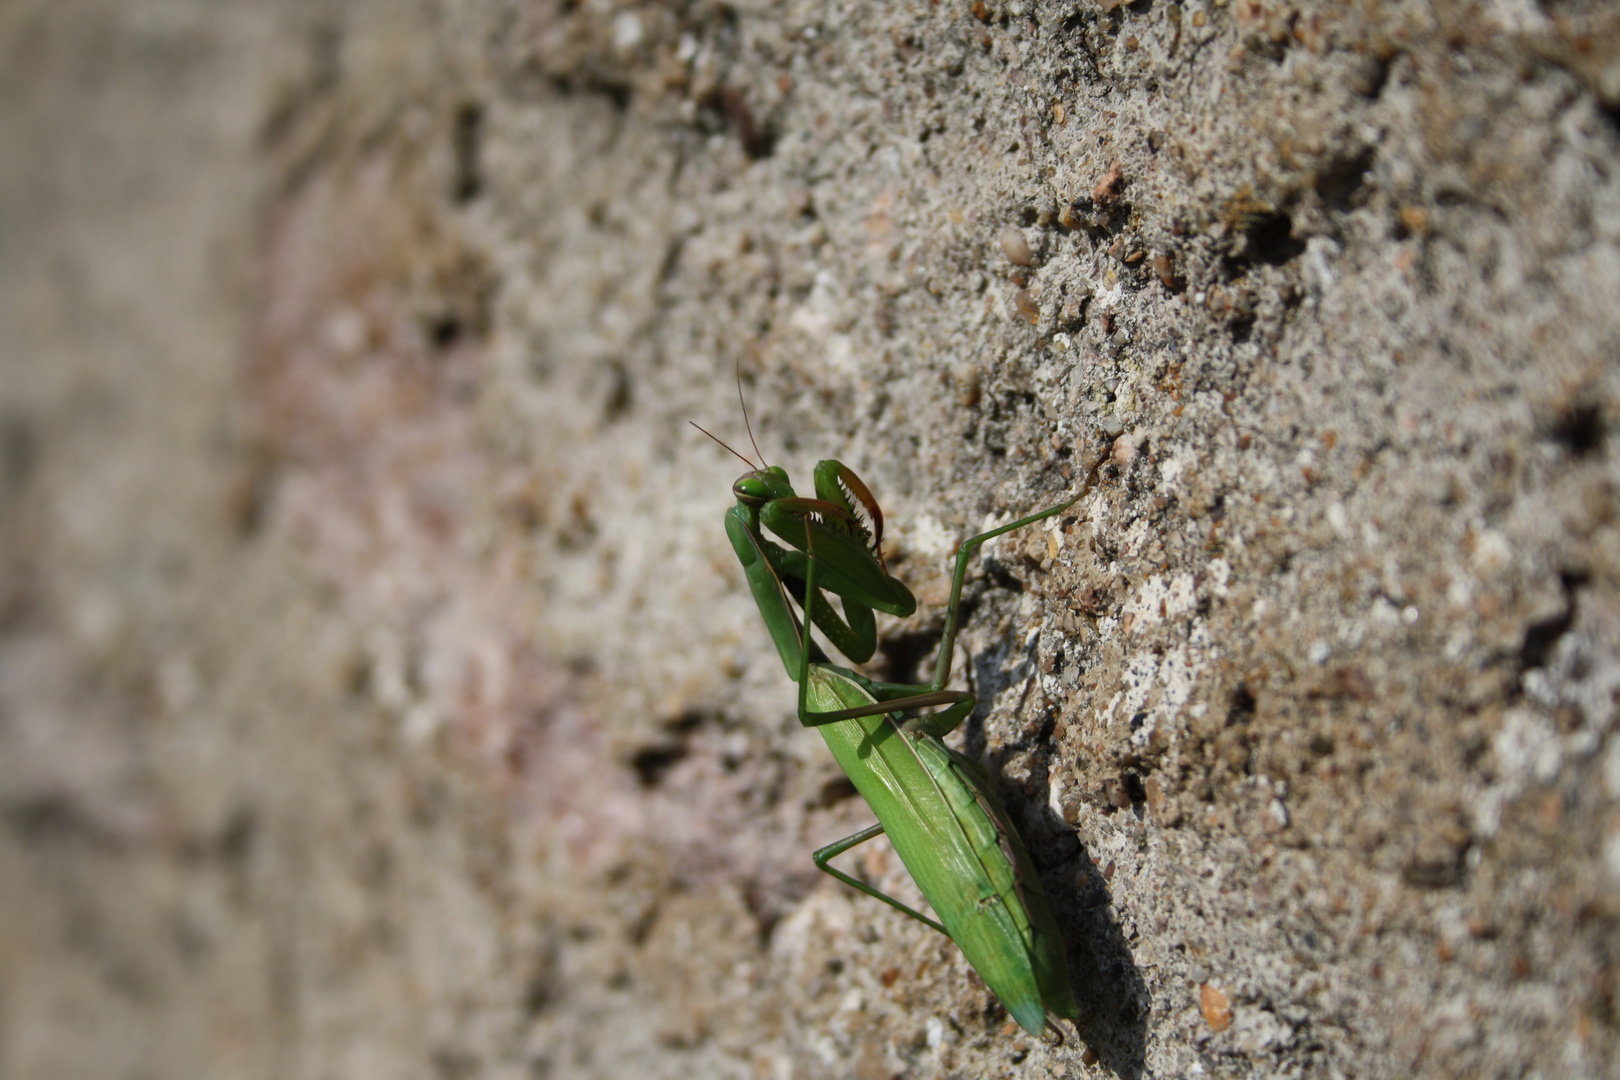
[
  {"x": 1107, "y": 189},
  {"x": 1216, "y": 1008},
  {"x": 1028, "y": 307},
  {"x": 1015, "y": 247},
  {"x": 1276, "y": 819},
  {"x": 1165, "y": 268}
]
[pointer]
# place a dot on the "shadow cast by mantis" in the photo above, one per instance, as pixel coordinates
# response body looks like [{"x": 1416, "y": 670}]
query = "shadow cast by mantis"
[
  {"x": 1115, "y": 1002},
  {"x": 1114, "y": 999}
]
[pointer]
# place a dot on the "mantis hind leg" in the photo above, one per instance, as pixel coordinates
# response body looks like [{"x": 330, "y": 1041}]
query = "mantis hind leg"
[{"x": 825, "y": 855}]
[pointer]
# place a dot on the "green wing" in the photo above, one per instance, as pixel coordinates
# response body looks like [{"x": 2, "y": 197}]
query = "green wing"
[
  {"x": 1046, "y": 949},
  {"x": 944, "y": 824}
]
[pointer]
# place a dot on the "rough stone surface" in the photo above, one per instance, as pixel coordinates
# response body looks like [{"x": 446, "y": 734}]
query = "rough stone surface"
[{"x": 379, "y": 695}]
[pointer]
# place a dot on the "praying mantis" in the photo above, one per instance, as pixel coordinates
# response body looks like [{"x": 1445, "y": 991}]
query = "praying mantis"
[{"x": 935, "y": 804}]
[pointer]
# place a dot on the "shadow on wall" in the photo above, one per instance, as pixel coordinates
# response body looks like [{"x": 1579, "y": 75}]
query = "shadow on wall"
[{"x": 1114, "y": 999}]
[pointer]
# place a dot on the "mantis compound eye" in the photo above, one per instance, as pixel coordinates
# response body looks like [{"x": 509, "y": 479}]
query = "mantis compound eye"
[{"x": 751, "y": 489}]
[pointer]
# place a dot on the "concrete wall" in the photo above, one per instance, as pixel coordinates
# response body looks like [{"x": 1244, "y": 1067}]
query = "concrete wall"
[{"x": 379, "y": 696}]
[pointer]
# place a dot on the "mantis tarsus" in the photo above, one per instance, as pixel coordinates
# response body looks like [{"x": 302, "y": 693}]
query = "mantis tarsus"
[{"x": 936, "y": 805}]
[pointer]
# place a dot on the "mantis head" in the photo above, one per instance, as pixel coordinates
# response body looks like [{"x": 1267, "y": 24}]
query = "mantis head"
[{"x": 760, "y": 486}]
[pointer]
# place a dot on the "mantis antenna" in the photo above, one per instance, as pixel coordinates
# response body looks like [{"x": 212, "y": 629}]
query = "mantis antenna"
[{"x": 722, "y": 442}]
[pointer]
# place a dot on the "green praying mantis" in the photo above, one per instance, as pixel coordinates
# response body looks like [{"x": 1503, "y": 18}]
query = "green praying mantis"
[{"x": 936, "y": 805}]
